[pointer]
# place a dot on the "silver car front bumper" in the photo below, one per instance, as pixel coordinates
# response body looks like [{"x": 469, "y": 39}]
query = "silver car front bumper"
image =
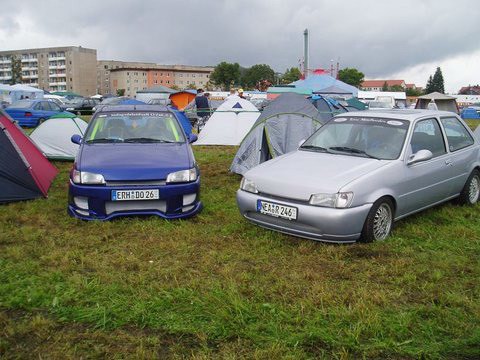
[{"x": 313, "y": 222}]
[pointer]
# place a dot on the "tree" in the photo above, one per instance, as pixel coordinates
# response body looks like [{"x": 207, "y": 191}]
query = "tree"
[
  {"x": 396, "y": 88},
  {"x": 429, "y": 86},
  {"x": 291, "y": 75},
  {"x": 16, "y": 70},
  {"x": 120, "y": 92},
  {"x": 351, "y": 76},
  {"x": 257, "y": 73},
  {"x": 225, "y": 75},
  {"x": 385, "y": 86},
  {"x": 191, "y": 86},
  {"x": 413, "y": 92},
  {"x": 437, "y": 81}
]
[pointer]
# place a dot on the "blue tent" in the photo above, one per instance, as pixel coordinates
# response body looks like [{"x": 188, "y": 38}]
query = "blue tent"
[
  {"x": 321, "y": 82},
  {"x": 131, "y": 102},
  {"x": 187, "y": 127},
  {"x": 470, "y": 113}
]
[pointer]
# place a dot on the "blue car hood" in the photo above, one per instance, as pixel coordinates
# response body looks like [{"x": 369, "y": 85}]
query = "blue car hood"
[{"x": 121, "y": 162}]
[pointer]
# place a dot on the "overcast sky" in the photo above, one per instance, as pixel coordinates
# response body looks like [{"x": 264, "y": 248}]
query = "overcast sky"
[{"x": 404, "y": 39}]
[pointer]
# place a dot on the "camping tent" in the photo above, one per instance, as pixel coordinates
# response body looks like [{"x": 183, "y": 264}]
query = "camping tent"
[
  {"x": 24, "y": 172},
  {"x": 286, "y": 121},
  {"x": 229, "y": 124},
  {"x": 131, "y": 102},
  {"x": 442, "y": 102},
  {"x": 182, "y": 98},
  {"x": 327, "y": 107},
  {"x": 53, "y": 136},
  {"x": 320, "y": 81},
  {"x": 31, "y": 92}
]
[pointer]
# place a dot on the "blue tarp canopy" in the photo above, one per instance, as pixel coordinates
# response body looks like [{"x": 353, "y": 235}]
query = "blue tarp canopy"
[{"x": 320, "y": 83}]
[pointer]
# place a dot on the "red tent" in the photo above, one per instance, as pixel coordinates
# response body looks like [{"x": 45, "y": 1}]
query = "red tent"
[{"x": 24, "y": 172}]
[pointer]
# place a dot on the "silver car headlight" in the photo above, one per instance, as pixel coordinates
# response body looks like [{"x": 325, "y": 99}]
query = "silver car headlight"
[
  {"x": 87, "y": 178},
  {"x": 339, "y": 200},
  {"x": 182, "y": 176},
  {"x": 248, "y": 185}
]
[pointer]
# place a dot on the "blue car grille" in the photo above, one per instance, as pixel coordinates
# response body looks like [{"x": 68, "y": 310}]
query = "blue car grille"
[{"x": 134, "y": 205}]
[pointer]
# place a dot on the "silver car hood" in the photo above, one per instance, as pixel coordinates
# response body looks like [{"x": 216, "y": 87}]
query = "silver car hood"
[{"x": 299, "y": 174}]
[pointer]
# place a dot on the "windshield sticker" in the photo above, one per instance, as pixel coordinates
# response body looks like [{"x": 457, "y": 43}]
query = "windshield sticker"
[
  {"x": 340, "y": 119},
  {"x": 394, "y": 123},
  {"x": 158, "y": 114}
]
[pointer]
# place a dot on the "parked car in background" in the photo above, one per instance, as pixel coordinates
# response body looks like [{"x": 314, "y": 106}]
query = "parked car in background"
[
  {"x": 134, "y": 160},
  {"x": 30, "y": 113},
  {"x": 361, "y": 171},
  {"x": 81, "y": 106},
  {"x": 110, "y": 101}
]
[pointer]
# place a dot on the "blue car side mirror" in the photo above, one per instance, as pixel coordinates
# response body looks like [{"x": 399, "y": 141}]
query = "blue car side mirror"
[
  {"x": 76, "y": 139},
  {"x": 192, "y": 138}
]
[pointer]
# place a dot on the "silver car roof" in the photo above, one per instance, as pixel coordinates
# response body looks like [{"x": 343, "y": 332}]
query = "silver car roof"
[{"x": 400, "y": 114}]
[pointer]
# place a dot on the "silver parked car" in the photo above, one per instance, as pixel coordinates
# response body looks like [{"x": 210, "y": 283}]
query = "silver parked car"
[{"x": 362, "y": 171}]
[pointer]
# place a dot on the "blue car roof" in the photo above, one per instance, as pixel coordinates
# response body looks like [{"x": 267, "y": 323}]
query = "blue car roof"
[{"x": 140, "y": 108}]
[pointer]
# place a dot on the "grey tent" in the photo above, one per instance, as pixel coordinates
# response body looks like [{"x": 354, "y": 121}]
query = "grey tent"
[
  {"x": 438, "y": 100},
  {"x": 286, "y": 121}
]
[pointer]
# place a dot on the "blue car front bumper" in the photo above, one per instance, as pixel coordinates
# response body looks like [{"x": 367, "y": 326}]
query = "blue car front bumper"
[{"x": 175, "y": 201}]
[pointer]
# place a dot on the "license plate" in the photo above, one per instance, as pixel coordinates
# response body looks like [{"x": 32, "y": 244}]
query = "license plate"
[
  {"x": 277, "y": 210},
  {"x": 123, "y": 195}
]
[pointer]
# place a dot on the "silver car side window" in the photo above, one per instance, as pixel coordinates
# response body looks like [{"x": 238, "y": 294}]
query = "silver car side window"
[
  {"x": 458, "y": 136},
  {"x": 428, "y": 136}
]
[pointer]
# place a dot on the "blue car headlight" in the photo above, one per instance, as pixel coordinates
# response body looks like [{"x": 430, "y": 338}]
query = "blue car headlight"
[
  {"x": 87, "y": 178},
  {"x": 248, "y": 185},
  {"x": 183, "y": 176},
  {"x": 339, "y": 200}
]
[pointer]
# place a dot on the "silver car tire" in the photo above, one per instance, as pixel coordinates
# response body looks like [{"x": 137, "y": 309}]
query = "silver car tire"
[
  {"x": 471, "y": 191},
  {"x": 379, "y": 222}
]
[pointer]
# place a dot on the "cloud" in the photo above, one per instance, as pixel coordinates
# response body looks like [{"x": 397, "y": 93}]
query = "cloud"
[{"x": 380, "y": 38}]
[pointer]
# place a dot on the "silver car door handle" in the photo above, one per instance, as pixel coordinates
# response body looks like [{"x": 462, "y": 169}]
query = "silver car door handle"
[{"x": 448, "y": 162}]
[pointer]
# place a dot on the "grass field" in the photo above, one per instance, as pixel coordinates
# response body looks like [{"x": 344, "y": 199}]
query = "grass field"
[{"x": 216, "y": 286}]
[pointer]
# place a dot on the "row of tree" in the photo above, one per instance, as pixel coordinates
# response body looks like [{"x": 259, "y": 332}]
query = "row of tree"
[
  {"x": 227, "y": 75},
  {"x": 260, "y": 76}
]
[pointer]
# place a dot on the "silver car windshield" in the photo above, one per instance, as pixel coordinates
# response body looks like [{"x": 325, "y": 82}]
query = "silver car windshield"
[{"x": 356, "y": 136}]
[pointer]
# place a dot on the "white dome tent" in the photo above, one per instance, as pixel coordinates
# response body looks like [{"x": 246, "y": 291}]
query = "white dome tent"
[
  {"x": 229, "y": 124},
  {"x": 53, "y": 136}
]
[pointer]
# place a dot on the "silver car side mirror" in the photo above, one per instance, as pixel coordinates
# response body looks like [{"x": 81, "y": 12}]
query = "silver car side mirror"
[{"x": 419, "y": 156}]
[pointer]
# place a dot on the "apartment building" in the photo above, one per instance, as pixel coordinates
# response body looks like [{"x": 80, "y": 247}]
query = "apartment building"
[
  {"x": 377, "y": 85},
  {"x": 134, "y": 76},
  {"x": 71, "y": 68}
]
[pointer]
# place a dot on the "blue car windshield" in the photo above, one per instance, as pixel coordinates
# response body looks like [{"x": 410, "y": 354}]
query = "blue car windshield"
[
  {"x": 135, "y": 127},
  {"x": 360, "y": 136}
]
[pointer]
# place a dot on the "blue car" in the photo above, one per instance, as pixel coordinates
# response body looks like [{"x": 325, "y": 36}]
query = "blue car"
[
  {"x": 134, "y": 160},
  {"x": 30, "y": 113}
]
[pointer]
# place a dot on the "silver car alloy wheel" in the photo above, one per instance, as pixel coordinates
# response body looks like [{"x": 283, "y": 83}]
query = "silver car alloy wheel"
[
  {"x": 474, "y": 189},
  {"x": 382, "y": 222}
]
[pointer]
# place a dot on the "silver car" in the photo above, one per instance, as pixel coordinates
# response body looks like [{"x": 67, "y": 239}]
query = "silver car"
[{"x": 361, "y": 172}]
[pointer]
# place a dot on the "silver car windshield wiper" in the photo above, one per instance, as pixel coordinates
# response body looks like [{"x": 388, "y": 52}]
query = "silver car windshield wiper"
[
  {"x": 353, "y": 151},
  {"x": 314, "y": 148},
  {"x": 147, "y": 139},
  {"x": 104, "y": 140}
]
